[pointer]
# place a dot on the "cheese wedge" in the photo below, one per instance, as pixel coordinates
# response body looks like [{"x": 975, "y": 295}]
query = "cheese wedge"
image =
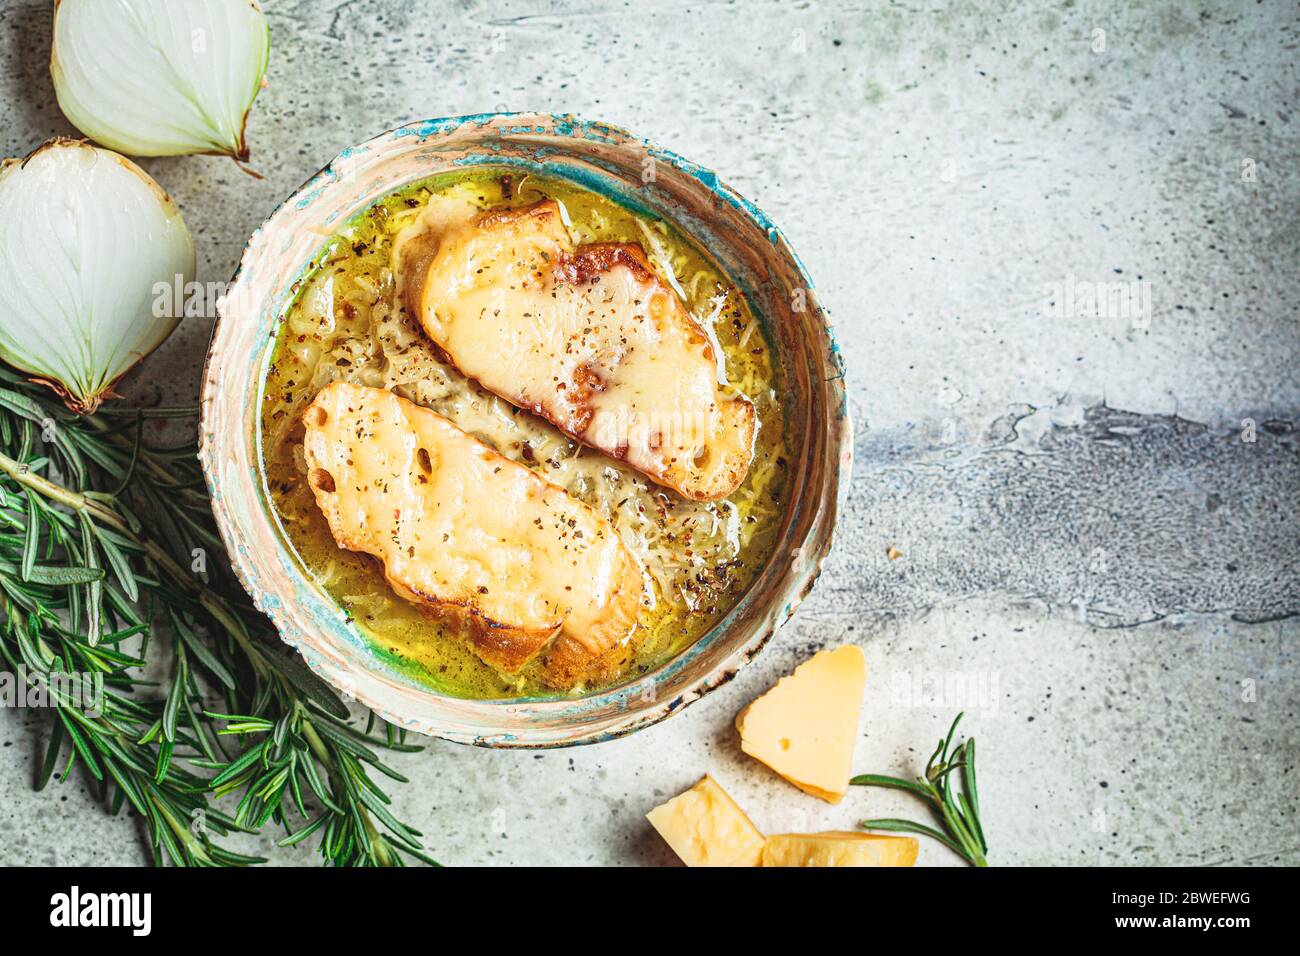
[
  {"x": 482, "y": 541},
  {"x": 588, "y": 337},
  {"x": 839, "y": 848},
  {"x": 705, "y": 827},
  {"x": 806, "y": 726}
]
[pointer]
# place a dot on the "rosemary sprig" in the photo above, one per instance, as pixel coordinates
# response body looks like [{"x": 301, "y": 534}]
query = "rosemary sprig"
[
  {"x": 109, "y": 561},
  {"x": 957, "y": 808}
]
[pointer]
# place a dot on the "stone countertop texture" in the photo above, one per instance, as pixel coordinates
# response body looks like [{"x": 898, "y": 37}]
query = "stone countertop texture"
[{"x": 1098, "y": 563}]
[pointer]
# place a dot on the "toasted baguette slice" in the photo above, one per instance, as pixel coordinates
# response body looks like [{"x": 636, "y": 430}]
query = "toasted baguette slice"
[
  {"x": 482, "y": 541},
  {"x": 589, "y": 338}
]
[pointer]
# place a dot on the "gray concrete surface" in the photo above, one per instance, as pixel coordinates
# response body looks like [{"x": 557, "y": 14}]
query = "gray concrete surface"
[{"x": 1098, "y": 564}]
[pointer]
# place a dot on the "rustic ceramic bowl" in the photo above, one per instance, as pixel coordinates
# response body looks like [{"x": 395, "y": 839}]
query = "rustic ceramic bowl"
[{"x": 643, "y": 177}]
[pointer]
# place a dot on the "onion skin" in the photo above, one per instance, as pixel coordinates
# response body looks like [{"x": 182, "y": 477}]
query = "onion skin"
[
  {"x": 160, "y": 77},
  {"x": 86, "y": 237}
]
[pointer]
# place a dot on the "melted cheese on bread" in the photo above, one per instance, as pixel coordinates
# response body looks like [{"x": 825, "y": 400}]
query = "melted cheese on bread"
[
  {"x": 588, "y": 337},
  {"x": 471, "y": 535}
]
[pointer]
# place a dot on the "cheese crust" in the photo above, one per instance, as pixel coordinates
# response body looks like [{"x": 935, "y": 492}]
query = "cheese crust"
[
  {"x": 487, "y": 545},
  {"x": 588, "y": 337}
]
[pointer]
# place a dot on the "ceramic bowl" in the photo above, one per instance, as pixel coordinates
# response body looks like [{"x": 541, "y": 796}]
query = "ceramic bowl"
[{"x": 642, "y": 176}]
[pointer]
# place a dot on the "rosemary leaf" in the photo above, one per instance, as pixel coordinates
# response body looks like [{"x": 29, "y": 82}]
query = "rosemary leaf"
[{"x": 908, "y": 826}]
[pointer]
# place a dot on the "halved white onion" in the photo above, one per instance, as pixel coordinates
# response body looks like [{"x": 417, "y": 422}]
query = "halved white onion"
[
  {"x": 87, "y": 241},
  {"x": 160, "y": 77}
]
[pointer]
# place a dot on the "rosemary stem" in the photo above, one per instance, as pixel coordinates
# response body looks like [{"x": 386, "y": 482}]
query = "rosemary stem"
[{"x": 56, "y": 492}]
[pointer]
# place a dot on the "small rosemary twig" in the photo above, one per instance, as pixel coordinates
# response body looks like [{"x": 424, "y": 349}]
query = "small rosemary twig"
[{"x": 957, "y": 808}]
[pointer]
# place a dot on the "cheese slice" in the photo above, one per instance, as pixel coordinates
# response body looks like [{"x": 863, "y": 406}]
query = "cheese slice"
[
  {"x": 806, "y": 726},
  {"x": 839, "y": 848},
  {"x": 588, "y": 337},
  {"x": 479, "y": 540},
  {"x": 705, "y": 827}
]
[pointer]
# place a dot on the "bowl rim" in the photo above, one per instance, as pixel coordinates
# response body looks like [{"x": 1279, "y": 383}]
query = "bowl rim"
[{"x": 838, "y": 457}]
